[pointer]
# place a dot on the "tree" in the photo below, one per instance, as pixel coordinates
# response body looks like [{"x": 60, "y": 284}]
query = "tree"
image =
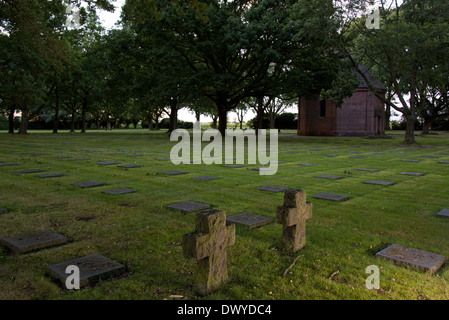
[{"x": 399, "y": 50}]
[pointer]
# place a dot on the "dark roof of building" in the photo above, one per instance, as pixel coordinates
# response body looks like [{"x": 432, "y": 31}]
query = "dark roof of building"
[{"x": 374, "y": 82}]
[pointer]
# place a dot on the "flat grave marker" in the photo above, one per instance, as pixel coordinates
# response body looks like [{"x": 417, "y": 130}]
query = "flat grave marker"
[
  {"x": 49, "y": 175},
  {"x": 33, "y": 241},
  {"x": 173, "y": 173},
  {"x": 107, "y": 163},
  {"x": 31, "y": 171},
  {"x": 410, "y": 160},
  {"x": 89, "y": 184},
  {"x": 443, "y": 213},
  {"x": 8, "y": 164},
  {"x": 205, "y": 178},
  {"x": 413, "y": 258},
  {"x": 250, "y": 220},
  {"x": 306, "y": 164},
  {"x": 271, "y": 188},
  {"x": 444, "y": 162},
  {"x": 234, "y": 166},
  {"x": 129, "y": 166},
  {"x": 417, "y": 174},
  {"x": 119, "y": 191},
  {"x": 188, "y": 206},
  {"x": 331, "y": 196},
  {"x": 369, "y": 170},
  {"x": 329, "y": 176},
  {"x": 379, "y": 183},
  {"x": 92, "y": 269},
  {"x": 3, "y": 210}
]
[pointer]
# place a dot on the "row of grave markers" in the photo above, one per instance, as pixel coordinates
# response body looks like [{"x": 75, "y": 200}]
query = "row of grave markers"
[{"x": 213, "y": 234}]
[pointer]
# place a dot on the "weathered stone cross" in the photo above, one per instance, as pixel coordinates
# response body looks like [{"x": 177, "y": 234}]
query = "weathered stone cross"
[
  {"x": 208, "y": 246},
  {"x": 293, "y": 215}
]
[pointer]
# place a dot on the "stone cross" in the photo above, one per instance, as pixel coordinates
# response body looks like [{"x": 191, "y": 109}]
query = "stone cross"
[
  {"x": 208, "y": 246},
  {"x": 293, "y": 215}
]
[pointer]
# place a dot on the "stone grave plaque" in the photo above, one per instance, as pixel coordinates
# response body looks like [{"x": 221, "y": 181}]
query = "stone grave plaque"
[
  {"x": 3, "y": 210},
  {"x": 31, "y": 171},
  {"x": 271, "y": 188},
  {"x": 119, "y": 191},
  {"x": 369, "y": 170},
  {"x": 356, "y": 157},
  {"x": 7, "y": 164},
  {"x": 306, "y": 164},
  {"x": 444, "y": 162},
  {"x": 410, "y": 160},
  {"x": 205, "y": 178},
  {"x": 412, "y": 173},
  {"x": 329, "y": 176},
  {"x": 62, "y": 157},
  {"x": 379, "y": 183},
  {"x": 234, "y": 166},
  {"x": 331, "y": 197},
  {"x": 79, "y": 159},
  {"x": 430, "y": 157},
  {"x": 129, "y": 166},
  {"x": 331, "y": 155},
  {"x": 89, "y": 184},
  {"x": 174, "y": 173},
  {"x": 188, "y": 206},
  {"x": 33, "y": 241},
  {"x": 107, "y": 163},
  {"x": 413, "y": 258},
  {"x": 249, "y": 220},
  {"x": 93, "y": 269},
  {"x": 443, "y": 213},
  {"x": 50, "y": 175}
]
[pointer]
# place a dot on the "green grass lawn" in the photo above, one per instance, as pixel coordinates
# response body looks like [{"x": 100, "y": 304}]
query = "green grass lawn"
[{"x": 139, "y": 232}]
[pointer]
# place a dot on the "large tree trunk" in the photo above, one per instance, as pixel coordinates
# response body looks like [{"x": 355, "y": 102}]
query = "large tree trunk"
[
  {"x": 410, "y": 129},
  {"x": 72, "y": 123},
  {"x": 426, "y": 126},
  {"x": 11, "y": 120},
  {"x": 150, "y": 121},
  {"x": 83, "y": 115},
  {"x": 23, "y": 129},
  {"x": 272, "y": 120},
  {"x": 173, "y": 117},
  {"x": 260, "y": 112},
  {"x": 222, "y": 121},
  {"x": 387, "y": 117},
  {"x": 56, "y": 117}
]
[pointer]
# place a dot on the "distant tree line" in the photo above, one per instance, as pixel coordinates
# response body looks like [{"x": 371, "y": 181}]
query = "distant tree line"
[{"x": 214, "y": 58}]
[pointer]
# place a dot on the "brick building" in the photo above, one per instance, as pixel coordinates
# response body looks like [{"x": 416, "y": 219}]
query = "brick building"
[{"x": 362, "y": 114}]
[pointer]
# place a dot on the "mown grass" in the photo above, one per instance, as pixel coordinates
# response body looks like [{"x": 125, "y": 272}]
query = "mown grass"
[{"x": 139, "y": 232}]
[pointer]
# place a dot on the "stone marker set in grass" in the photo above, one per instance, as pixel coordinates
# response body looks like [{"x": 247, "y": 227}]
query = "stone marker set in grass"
[
  {"x": 417, "y": 174},
  {"x": 129, "y": 166},
  {"x": 173, "y": 173},
  {"x": 188, "y": 206},
  {"x": 271, "y": 188},
  {"x": 33, "y": 241},
  {"x": 8, "y": 164},
  {"x": 329, "y": 176},
  {"x": 92, "y": 269},
  {"x": 50, "y": 175},
  {"x": 331, "y": 196},
  {"x": 379, "y": 183},
  {"x": 119, "y": 191},
  {"x": 208, "y": 246},
  {"x": 293, "y": 216},
  {"x": 205, "y": 178},
  {"x": 249, "y": 220},
  {"x": 3, "y": 210},
  {"x": 369, "y": 170},
  {"x": 107, "y": 163},
  {"x": 31, "y": 171},
  {"x": 413, "y": 258},
  {"x": 89, "y": 184},
  {"x": 443, "y": 213}
]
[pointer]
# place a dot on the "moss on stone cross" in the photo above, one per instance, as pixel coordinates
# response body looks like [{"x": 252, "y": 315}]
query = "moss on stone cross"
[
  {"x": 208, "y": 246},
  {"x": 293, "y": 215}
]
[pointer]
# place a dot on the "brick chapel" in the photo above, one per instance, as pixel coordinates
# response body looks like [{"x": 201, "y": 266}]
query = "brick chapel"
[{"x": 362, "y": 114}]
